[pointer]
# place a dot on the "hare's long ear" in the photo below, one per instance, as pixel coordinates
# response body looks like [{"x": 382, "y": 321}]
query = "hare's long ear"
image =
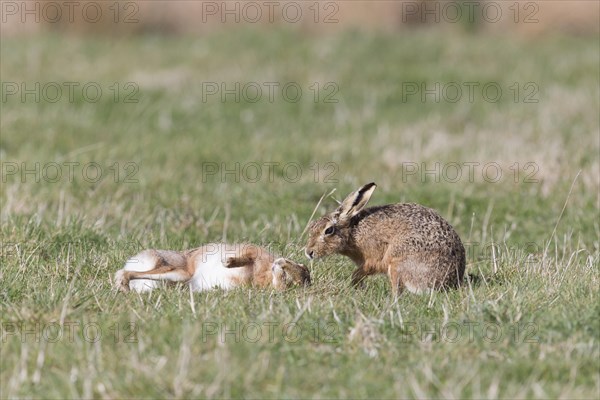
[{"x": 354, "y": 203}]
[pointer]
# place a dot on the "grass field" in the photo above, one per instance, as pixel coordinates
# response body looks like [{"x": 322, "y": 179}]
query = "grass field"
[{"x": 179, "y": 166}]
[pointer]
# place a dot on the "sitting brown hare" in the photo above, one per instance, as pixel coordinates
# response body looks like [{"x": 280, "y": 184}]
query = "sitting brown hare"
[{"x": 412, "y": 244}]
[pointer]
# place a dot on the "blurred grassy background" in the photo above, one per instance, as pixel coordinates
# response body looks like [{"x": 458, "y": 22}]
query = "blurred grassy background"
[
  {"x": 521, "y": 17},
  {"x": 62, "y": 241}
]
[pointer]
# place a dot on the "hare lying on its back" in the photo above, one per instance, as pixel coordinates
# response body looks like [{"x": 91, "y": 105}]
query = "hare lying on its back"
[
  {"x": 412, "y": 244},
  {"x": 214, "y": 265}
]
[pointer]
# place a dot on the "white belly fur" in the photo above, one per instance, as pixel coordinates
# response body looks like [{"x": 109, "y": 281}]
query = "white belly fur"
[
  {"x": 211, "y": 273},
  {"x": 415, "y": 289}
]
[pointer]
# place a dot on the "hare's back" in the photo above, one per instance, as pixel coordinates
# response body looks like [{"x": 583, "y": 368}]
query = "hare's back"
[{"x": 415, "y": 225}]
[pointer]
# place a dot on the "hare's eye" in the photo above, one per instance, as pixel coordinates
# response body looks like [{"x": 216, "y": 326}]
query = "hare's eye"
[{"x": 329, "y": 230}]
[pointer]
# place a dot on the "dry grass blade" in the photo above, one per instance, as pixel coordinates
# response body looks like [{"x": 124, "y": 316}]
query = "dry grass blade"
[{"x": 314, "y": 212}]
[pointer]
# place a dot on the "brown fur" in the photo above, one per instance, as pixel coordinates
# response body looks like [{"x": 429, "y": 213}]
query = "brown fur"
[
  {"x": 287, "y": 273},
  {"x": 259, "y": 265},
  {"x": 410, "y": 243}
]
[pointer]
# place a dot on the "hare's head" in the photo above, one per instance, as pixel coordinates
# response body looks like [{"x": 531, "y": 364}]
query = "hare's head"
[
  {"x": 330, "y": 234},
  {"x": 287, "y": 273}
]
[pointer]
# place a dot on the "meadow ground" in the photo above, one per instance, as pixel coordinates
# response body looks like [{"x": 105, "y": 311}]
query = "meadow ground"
[{"x": 159, "y": 161}]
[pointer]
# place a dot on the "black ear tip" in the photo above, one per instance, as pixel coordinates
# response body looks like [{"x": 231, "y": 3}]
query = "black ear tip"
[{"x": 367, "y": 187}]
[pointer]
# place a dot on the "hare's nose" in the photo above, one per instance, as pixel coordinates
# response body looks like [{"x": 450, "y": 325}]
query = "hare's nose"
[{"x": 309, "y": 254}]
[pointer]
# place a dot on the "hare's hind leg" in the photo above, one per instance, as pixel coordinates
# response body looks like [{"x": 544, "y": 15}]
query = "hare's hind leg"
[
  {"x": 148, "y": 268},
  {"x": 120, "y": 281},
  {"x": 145, "y": 261},
  {"x": 416, "y": 273},
  {"x": 162, "y": 273}
]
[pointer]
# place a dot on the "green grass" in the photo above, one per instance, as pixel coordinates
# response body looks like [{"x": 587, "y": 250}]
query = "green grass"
[{"x": 526, "y": 325}]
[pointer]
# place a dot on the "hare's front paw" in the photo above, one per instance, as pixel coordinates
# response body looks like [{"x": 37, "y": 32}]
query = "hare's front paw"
[
  {"x": 122, "y": 280},
  {"x": 230, "y": 262},
  {"x": 358, "y": 279}
]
